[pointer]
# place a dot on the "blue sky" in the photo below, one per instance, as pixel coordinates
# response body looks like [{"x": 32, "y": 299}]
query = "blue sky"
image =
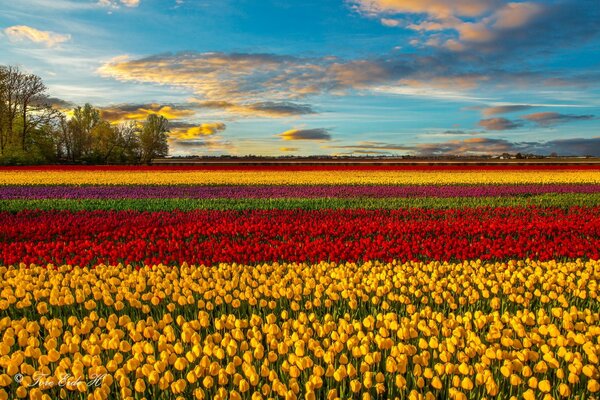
[{"x": 283, "y": 77}]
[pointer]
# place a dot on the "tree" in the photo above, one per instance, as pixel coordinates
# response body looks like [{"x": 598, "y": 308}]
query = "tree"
[
  {"x": 129, "y": 134},
  {"x": 10, "y": 80},
  {"x": 3, "y": 107},
  {"x": 105, "y": 139},
  {"x": 63, "y": 138},
  {"x": 32, "y": 130},
  {"x": 153, "y": 138},
  {"x": 81, "y": 125},
  {"x": 34, "y": 111},
  {"x": 23, "y": 107}
]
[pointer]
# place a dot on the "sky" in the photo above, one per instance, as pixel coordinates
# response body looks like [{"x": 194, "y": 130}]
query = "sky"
[{"x": 335, "y": 77}]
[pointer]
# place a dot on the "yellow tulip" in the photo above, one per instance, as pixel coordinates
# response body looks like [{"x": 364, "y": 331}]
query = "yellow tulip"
[{"x": 140, "y": 386}]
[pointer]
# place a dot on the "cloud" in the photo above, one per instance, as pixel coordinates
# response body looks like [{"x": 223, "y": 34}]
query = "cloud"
[
  {"x": 188, "y": 131},
  {"x": 499, "y": 124},
  {"x": 188, "y": 139},
  {"x": 369, "y": 152},
  {"x": 541, "y": 119},
  {"x": 546, "y": 119},
  {"x": 137, "y": 112},
  {"x": 459, "y": 132},
  {"x": 117, "y": 3},
  {"x": 54, "y": 102},
  {"x": 289, "y": 149},
  {"x": 236, "y": 78},
  {"x": 483, "y": 146},
  {"x": 390, "y": 22},
  {"x": 306, "y": 134},
  {"x": 268, "y": 109},
  {"x": 373, "y": 147},
  {"x": 505, "y": 109},
  {"x": 201, "y": 145},
  {"x": 434, "y": 8},
  {"x": 21, "y": 33},
  {"x": 492, "y": 26},
  {"x": 471, "y": 146},
  {"x": 271, "y": 85},
  {"x": 571, "y": 147}
]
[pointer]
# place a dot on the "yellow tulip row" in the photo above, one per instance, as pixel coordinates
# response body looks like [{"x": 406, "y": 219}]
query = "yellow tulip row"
[
  {"x": 521, "y": 329},
  {"x": 347, "y": 177}
]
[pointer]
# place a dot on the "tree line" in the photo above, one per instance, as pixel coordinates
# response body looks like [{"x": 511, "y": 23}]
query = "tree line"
[{"x": 33, "y": 131}]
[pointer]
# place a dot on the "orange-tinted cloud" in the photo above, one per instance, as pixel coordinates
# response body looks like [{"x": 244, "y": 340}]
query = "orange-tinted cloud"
[
  {"x": 374, "y": 147},
  {"x": 492, "y": 26},
  {"x": 553, "y": 118},
  {"x": 504, "y": 109},
  {"x": 138, "y": 112},
  {"x": 270, "y": 85},
  {"x": 318, "y": 134},
  {"x": 289, "y": 149},
  {"x": 23, "y": 33},
  {"x": 54, "y": 102},
  {"x": 267, "y": 84},
  {"x": 188, "y": 131},
  {"x": 267, "y": 109},
  {"x": 499, "y": 124},
  {"x": 434, "y": 8},
  {"x": 471, "y": 146},
  {"x": 237, "y": 78}
]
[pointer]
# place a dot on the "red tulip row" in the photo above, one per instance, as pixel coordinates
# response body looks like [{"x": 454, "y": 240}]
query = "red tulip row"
[{"x": 254, "y": 236}]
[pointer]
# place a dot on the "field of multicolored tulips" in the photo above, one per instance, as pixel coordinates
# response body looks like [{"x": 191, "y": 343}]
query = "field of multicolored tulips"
[{"x": 300, "y": 282}]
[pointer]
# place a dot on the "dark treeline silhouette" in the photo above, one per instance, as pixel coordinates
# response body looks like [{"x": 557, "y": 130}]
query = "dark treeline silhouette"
[{"x": 33, "y": 131}]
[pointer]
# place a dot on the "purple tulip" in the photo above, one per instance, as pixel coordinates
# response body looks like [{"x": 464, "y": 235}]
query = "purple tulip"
[{"x": 207, "y": 192}]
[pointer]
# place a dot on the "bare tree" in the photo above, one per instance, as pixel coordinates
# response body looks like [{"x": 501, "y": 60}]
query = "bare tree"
[
  {"x": 30, "y": 95},
  {"x": 64, "y": 138},
  {"x": 11, "y": 80},
  {"x": 23, "y": 105},
  {"x": 3, "y": 107}
]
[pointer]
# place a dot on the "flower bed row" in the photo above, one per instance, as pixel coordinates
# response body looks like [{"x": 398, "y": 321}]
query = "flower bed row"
[
  {"x": 300, "y": 177},
  {"x": 166, "y": 204},
  {"x": 255, "y": 236},
  {"x": 469, "y": 330},
  {"x": 269, "y": 192},
  {"x": 300, "y": 167}
]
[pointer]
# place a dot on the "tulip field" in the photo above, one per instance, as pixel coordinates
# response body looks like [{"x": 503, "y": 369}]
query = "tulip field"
[{"x": 333, "y": 282}]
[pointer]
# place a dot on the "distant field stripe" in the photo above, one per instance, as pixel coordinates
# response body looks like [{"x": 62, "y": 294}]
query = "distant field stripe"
[
  {"x": 166, "y": 204},
  {"x": 299, "y": 178},
  {"x": 258, "y": 192},
  {"x": 341, "y": 167}
]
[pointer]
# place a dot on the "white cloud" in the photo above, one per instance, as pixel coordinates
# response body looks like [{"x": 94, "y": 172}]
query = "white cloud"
[{"x": 117, "y": 3}]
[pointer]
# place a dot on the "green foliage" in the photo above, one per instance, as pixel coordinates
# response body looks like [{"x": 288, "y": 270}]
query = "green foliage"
[
  {"x": 33, "y": 132},
  {"x": 153, "y": 138},
  {"x": 546, "y": 200},
  {"x": 14, "y": 155}
]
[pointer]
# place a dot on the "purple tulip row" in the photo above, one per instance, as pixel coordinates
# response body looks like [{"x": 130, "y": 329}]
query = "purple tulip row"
[{"x": 207, "y": 192}]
